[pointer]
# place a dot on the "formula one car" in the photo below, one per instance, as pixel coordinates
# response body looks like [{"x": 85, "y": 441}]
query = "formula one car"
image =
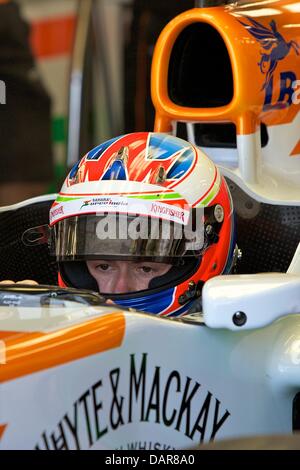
[{"x": 77, "y": 373}]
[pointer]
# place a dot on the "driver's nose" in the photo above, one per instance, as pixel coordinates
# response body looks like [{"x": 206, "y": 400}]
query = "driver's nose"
[{"x": 121, "y": 283}]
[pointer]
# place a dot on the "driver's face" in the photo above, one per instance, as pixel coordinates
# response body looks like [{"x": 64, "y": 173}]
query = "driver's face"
[{"x": 119, "y": 277}]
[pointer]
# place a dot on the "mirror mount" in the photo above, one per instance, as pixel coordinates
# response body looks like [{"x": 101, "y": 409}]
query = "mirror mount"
[{"x": 248, "y": 301}]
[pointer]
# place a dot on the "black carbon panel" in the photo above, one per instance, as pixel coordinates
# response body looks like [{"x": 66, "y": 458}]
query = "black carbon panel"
[
  {"x": 267, "y": 234},
  {"x": 18, "y": 261}
]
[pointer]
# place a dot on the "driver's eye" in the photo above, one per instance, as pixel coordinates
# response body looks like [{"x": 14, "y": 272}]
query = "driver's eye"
[
  {"x": 146, "y": 269},
  {"x": 103, "y": 267}
]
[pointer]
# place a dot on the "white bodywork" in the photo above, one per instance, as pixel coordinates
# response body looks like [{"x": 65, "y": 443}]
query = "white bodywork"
[
  {"x": 267, "y": 174},
  {"x": 171, "y": 383},
  {"x": 261, "y": 298}
]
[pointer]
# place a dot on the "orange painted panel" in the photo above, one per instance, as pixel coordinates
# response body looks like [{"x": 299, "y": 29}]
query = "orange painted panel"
[
  {"x": 2, "y": 429},
  {"x": 4, "y": 335},
  {"x": 264, "y": 51},
  {"x": 296, "y": 150},
  {"x": 27, "y": 353},
  {"x": 53, "y": 37}
]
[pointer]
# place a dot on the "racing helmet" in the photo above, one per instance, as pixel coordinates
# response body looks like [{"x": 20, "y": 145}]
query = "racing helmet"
[{"x": 170, "y": 201}]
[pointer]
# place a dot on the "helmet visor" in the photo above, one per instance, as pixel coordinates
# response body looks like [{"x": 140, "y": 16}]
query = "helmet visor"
[{"x": 121, "y": 236}]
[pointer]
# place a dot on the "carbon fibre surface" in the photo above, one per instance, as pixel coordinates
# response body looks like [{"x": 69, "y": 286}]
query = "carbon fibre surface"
[
  {"x": 267, "y": 234},
  {"x": 18, "y": 261}
]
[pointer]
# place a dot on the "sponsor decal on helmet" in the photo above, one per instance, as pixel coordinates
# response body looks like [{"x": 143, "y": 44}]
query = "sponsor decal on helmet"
[
  {"x": 119, "y": 204},
  {"x": 104, "y": 201},
  {"x": 163, "y": 210},
  {"x": 85, "y": 203},
  {"x": 56, "y": 212}
]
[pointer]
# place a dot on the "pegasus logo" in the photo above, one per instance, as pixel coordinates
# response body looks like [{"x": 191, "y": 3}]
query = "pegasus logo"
[{"x": 275, "y": 47}]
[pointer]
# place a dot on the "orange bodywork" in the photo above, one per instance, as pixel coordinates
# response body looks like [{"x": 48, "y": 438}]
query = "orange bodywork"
[
  {"x": 29, "y": 352},
  {"x": 246, "y": 109},
  {"x": 2, "y": 429}
]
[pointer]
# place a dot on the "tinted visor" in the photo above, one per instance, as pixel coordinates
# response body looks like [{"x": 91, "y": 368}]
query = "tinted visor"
[{"x": 126, "y": 237}]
